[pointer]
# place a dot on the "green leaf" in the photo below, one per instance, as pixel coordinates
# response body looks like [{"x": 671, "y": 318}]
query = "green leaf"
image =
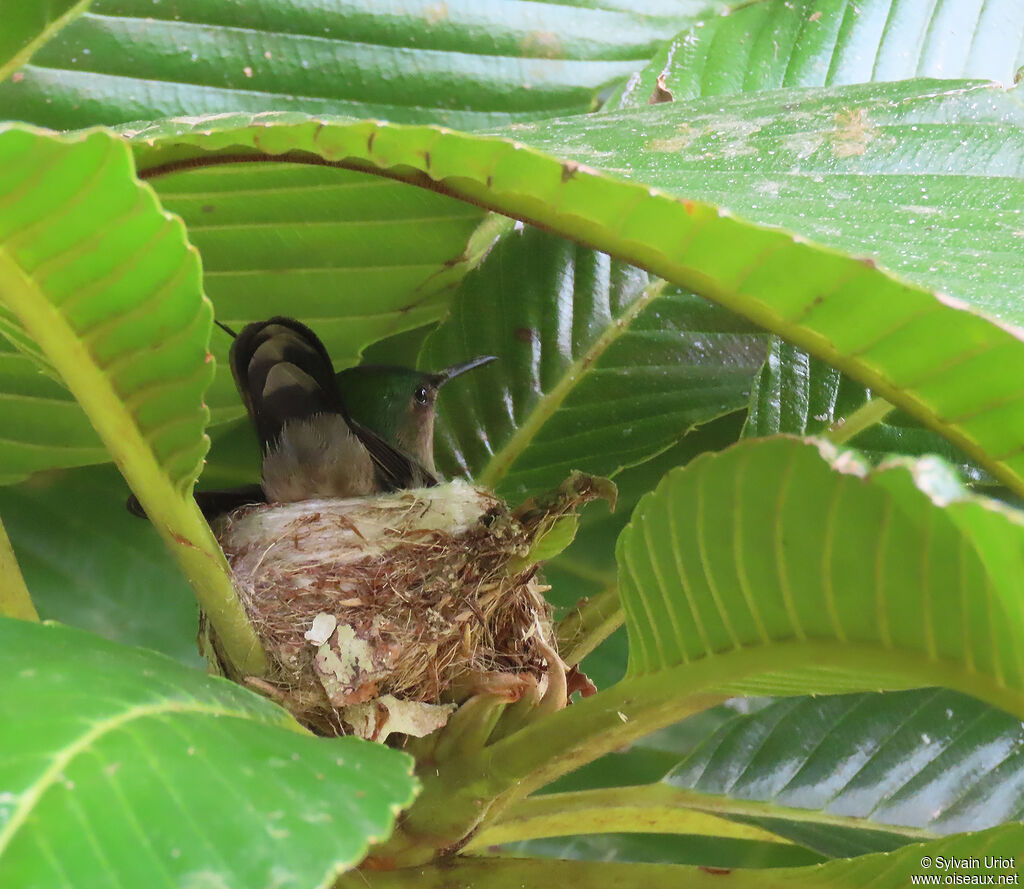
[
  {"x": 27, "y": 26},
  {"x": 810, "y": 43},
  {"x": 121, "y": 767},
  {"x": 357, "y": 257},
  {"x": 773, "y": 550},
  {"x": 587, "y": 569},
  {"x": 464, "y": 63},
  {"x": 970, "y": 859},
  {"x": 857, "y": 168},
  {"x": 614, "y": 369},
  {"x": 44, "y": 427},
  {"x": 86, "y": 247},
  {"x": 781, "y": 566},
  {"x": 15, "y": 599},
  {"x": 864, "y": 773},
  {"x": 89, "y": 563},
  {"x": 797, "y": 394},
  {"x": 98, "y": 283}
]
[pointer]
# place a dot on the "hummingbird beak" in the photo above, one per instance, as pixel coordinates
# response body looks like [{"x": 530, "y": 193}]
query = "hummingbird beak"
[{"x": 449, "y": 373}]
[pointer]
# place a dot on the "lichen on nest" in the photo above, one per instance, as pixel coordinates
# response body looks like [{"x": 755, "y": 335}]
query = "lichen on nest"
[{"x": 382, "y": 613}]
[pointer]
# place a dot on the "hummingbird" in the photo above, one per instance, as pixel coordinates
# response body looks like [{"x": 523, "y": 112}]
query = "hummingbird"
[
  {"x": 399, "y": 403},
  {"x": 364, "y": 431}
]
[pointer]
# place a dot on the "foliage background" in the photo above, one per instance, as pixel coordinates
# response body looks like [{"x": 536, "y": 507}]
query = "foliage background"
[{"x": 838, "y": 121}]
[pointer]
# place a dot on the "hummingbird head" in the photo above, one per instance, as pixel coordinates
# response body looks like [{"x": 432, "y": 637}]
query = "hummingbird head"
[{"x": 399, "y": 403}]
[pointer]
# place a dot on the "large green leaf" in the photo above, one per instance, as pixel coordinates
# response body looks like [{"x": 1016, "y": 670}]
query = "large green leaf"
[
  {"x": 849, "y": 774},
  {"x": 91, "y": 564},
  {"x": 772, "y": 550},
  {"x": 801, "y": 395},
  {"x": 99, "y": 285},
  {"x": 43, "y": 425},
  {"x": 780, "y": 566},
  {"x": 88, "y": 261},
  {"x": 27, "y": 26},
  {"x": 972, "y": 859},
  {"x": 465, "y": 63},
  {"x": 789, "y": 43},
  {"x": 585, "y": 575},
  {"x": 355, "y": 256},
  {"x": 858, "y": 168},
  {"x": 783, "y": 566},
  {"x": 120, "y": 767},
  {"x": 600, "y": 366}
]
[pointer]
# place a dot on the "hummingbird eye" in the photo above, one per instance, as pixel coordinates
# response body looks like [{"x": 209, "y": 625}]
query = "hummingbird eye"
[{"x": 421, "y": 395}]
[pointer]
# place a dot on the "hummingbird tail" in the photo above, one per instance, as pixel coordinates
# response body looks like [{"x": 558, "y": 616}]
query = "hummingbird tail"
[{"x": 286, "y": 379}]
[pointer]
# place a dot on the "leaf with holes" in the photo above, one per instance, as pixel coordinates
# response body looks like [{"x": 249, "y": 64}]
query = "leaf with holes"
[
  {"x": 614, "y": 369},
  {"x": 134, "y": 770}
]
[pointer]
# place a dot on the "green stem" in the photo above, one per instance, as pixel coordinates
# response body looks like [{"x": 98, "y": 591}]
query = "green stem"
[
  {"x": 593, "y": 621},
  {"x": 173, "y": 512},
  {"x": 543, "y": 873},
  {"x": 653, "y": 808},
  {"x": 867, "y": 415},
  {"x": 498, "y": 466},
  {"x": 15, "y": 599},
  {"x": 462, "y": 794},
  {"x": 458, "y": 794},
  {"x": 22, "y": 56}
]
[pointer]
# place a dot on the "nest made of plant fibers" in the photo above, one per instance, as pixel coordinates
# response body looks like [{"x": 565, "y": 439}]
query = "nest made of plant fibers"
[{"x": 420, "y": 597}]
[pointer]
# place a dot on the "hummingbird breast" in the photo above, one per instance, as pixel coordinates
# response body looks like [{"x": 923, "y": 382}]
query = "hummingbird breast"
[{"x": 316, "y": 456}]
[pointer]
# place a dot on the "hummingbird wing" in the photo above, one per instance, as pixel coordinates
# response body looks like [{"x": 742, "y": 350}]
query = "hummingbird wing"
[{"x": 285, "y": 377}]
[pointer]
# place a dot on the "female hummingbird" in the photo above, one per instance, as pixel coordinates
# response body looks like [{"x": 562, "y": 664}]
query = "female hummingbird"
[{"x": 366, "y": 430}]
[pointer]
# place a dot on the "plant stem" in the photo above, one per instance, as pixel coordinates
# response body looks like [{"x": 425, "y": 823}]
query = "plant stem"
[
  {"x": 497, "y": 467},
  {"x": 652, "y": 808},
  {"x": 543, "y": 873},
  {"x": 593, "y": 621},
  {"x": 172, "y": 511},
  {"x": 868, "y": 414},
  {"x": 15, "y": 599},
  {"x": 26, "y": 52},
  {"x": 461, "y": 794}
]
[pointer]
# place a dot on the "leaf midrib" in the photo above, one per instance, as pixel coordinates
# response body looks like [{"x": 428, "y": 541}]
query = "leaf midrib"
[
  {"x": 56, "y": 768},
  {"x": 500, "y": 463}
]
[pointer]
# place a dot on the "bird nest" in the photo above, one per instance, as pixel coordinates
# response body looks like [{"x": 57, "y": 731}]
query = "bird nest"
[{"x": 381, "y": 614}]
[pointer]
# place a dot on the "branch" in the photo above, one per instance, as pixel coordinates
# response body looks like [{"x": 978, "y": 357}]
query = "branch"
[{"x": 15, "y": 600}]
